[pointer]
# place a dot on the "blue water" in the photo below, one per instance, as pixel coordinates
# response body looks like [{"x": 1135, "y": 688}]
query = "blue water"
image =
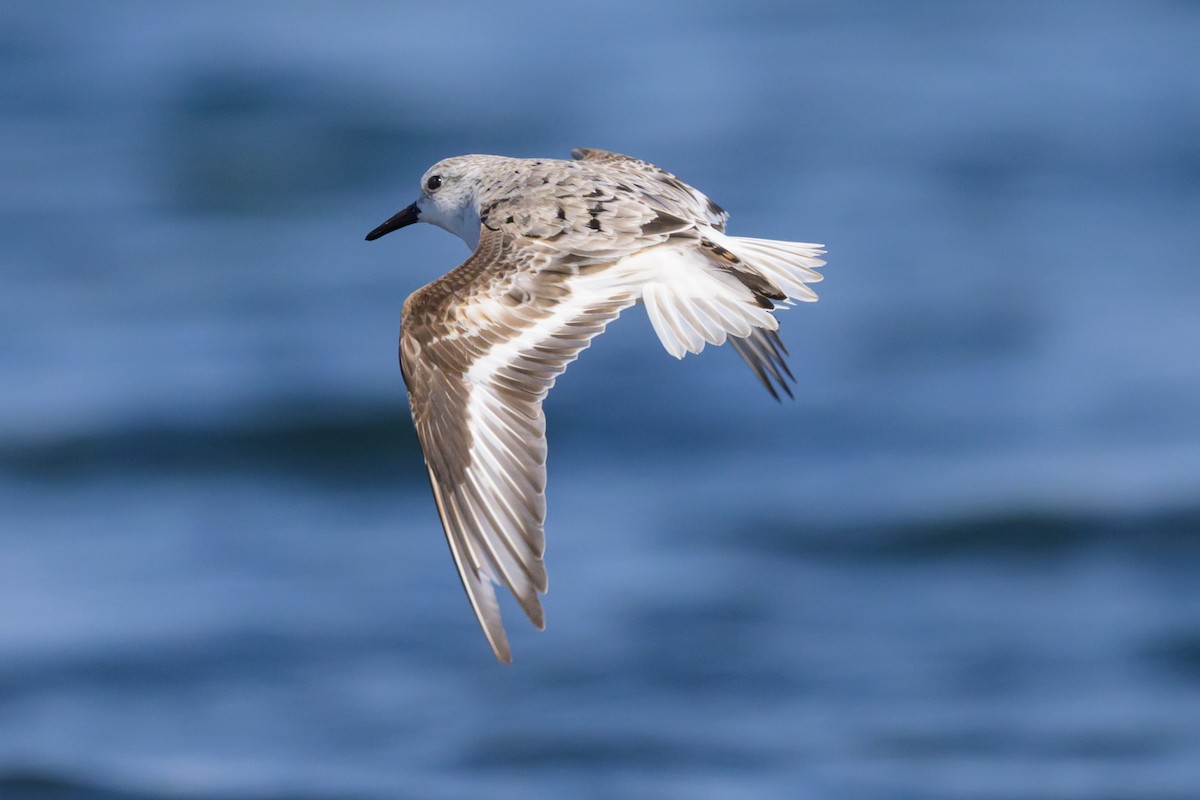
[{"x": 965, "y": 562}]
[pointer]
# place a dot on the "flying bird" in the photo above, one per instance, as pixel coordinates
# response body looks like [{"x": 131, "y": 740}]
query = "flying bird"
[{"x": 560, "y": 248}]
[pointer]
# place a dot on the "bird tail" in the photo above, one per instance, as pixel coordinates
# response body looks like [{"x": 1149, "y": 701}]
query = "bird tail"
[
  {"x": 788, "y": 266},
  {"x": 728, "y": 287}
]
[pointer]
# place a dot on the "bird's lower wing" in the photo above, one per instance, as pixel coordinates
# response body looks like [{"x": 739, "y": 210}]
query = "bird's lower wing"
[
  {"x": 727, "y": 287},
  {"x": 480, "y": 350}
]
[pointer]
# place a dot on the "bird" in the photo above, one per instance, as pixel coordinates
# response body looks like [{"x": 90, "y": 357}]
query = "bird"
[{"x": 559, "y": 249}]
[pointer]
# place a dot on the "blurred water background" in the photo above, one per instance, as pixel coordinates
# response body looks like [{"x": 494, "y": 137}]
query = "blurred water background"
[{"x": 965, "y": 562}]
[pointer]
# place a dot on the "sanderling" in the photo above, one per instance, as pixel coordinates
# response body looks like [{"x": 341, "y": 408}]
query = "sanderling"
[{"x": 560, "y": 249}]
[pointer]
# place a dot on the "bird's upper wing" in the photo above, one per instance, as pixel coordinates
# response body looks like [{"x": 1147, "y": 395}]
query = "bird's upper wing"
[
  {"x": 592, "y": 154},
  {"x": 479, "y": 350},
  {"x": 661, "y": 189}
]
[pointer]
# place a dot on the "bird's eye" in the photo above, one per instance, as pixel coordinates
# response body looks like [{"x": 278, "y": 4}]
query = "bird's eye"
[{"x": 434, "y": 182}]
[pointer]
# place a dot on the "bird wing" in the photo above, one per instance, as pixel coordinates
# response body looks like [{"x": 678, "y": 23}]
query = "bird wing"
[
  {"x": 479, "y": 349},
  {"x": 664, "y": 192},
  {"x": 593, "y": 154}
]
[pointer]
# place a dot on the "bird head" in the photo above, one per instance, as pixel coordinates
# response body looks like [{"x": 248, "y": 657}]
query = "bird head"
[{"x": 450, "y": 192}]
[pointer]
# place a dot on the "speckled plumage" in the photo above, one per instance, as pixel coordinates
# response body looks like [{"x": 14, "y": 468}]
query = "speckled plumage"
[{"x": 560, "y": 249}]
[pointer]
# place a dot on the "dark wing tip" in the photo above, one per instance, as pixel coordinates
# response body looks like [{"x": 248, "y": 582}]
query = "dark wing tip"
[
  {"x": 765, "y": 354},
  {"x": 585, "y": 153},
  {"x": 593, "y": 154}
]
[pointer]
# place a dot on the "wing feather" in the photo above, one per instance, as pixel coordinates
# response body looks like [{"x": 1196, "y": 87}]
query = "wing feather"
[
  {"x": 665, "y": 192},
  {"x": 478, "y": 367}
]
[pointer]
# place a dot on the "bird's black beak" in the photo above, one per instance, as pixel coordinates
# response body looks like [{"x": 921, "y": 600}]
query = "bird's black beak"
[{"x": 406, "y": 217}]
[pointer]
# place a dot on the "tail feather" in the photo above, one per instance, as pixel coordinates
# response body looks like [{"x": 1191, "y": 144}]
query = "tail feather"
[{"x": 788, "y": 265}]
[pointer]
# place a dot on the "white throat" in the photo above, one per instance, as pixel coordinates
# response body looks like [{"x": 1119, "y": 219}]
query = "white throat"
[{"x": 463, "y": 221}]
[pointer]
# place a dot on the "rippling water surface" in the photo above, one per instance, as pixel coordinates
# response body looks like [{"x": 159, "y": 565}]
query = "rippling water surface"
[{"x": 963, "y": 563}]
